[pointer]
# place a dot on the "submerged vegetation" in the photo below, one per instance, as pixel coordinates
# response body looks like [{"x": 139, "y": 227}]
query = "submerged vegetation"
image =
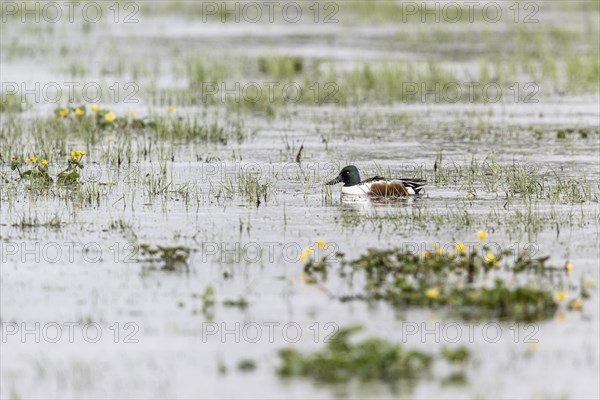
[{"x": 374, "y": 359}]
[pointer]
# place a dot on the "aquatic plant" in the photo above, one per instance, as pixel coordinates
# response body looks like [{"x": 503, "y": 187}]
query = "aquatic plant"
[
  {"x": 371, "y": 360},
  {"x": 473, "y": 284},
  {"x": 164, "y": 258},
  {"x": 71, "y": 174},
  {"x": 37, "y": 171}
]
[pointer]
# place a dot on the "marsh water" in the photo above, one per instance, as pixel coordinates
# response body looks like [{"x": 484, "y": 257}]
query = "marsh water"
[{"x": 86, "y": 314}]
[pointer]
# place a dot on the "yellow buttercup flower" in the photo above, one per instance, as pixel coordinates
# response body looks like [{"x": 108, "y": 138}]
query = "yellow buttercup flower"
[
  {"x": 79, "y": 112},
  {"x": 533, "y": 346},
  {"x": 490, "y": 257},
  {"x": 305, "y": 253},
  {"x": 321, "y": 243},
  {"x": 482, "y": 235},
  {"x": 32, "y": 159},
  {"x": 451, "y": 255},
  {"x": 95, "y": 108},
  {"x": 576, "y": 304},
  {"x": 425, "y": 254},
  {"x": 75, "y": 155},
  {"x": 432, "y": 293},
  {"x": 569, "y": 267},
  {"x": 110, "y": 117},
  {"x": 63, "y": 112},
  {"x": 13, "y": 158},
  {"x": 461, "y": 248},
  {"x": 561, "y": 296},
  {"x": 590, "y": 283},
  {"x": 170, "y": 109},
  {"x": 44, "y": 162}
]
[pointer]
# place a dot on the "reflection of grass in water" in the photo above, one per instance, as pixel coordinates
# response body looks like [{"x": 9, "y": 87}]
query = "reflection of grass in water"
[
  {"x": 531, "y": 219},
  {"x": 27, "y": 222}
]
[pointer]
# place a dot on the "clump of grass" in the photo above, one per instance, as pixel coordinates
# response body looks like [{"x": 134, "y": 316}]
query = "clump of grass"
[
  {"x": 170, "y": 259},
  {"x": 240, "y": 303},
  {"x": 200, "y": 71},
  {"x": 250, "y": 188},
  {"x": 246, "y": 365},
  {"x": 208, "y": 303},
  {"x": 281, "y": 67},
  {"x": 10, "y": 103}
]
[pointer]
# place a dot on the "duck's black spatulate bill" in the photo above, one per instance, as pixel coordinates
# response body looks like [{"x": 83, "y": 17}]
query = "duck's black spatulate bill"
[{"x": 334, "y": 181}]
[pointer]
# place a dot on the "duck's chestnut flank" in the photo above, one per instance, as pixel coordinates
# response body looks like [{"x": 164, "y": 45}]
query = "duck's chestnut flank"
[{"x": 386, "y": 189}]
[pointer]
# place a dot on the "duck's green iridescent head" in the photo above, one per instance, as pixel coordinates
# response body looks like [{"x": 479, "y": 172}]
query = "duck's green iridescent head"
[{"x": 349, "y": 175}]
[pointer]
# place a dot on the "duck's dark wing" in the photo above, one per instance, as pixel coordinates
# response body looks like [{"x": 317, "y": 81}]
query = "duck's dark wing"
[
  {"x": 415, "y": 184},
  {"x": 375, "y": 178}
]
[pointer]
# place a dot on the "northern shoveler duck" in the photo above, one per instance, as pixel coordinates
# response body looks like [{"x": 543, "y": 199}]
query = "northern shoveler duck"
[{"x": 376, "y": 186}]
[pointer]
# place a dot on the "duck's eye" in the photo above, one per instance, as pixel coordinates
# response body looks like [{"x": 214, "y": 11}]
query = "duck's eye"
[{"x": 347, "y": 172}]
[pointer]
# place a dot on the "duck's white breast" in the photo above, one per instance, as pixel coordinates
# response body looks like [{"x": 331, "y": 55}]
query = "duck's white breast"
[{"x": 358, "y": 190}]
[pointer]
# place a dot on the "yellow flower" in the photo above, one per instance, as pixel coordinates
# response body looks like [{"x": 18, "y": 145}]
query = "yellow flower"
[
  {"x": 170, "y": 109},
  {"x": 95, "y": 108},
  {"x": 490, "y": 257},
  {"x": 590, "y": 283},
  {"x": 13, "y": 158},
  {"x": 432, "y": 293},
  {"x": 569, "y": 267},
  {"x": 75, "y": 155},
  {"x": 461, "y": 248},
  {"x": 533, "y": 346},
  {"x": 305, "y": 253},
  {"x": 561, "y": 296},
  {"x": 133, "y": 114},
  {"x": 451, "y": 255},
  {"x": 63, "y": 112},
  {"x": 44, "y": 162},
  {"x": 576, "y": 304},
  {"x": 110, "y": 117},
  {"x": 79, "y": 112},
  {"x": 425, "y": 254},
  {"x": 32, "y": 159},
  {"x": 482, "y": 235},
  {"x": 321, "y": 243}
]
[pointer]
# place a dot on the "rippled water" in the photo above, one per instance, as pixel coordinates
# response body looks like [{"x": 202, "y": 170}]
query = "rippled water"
[{"x": 142, "y": 333}]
